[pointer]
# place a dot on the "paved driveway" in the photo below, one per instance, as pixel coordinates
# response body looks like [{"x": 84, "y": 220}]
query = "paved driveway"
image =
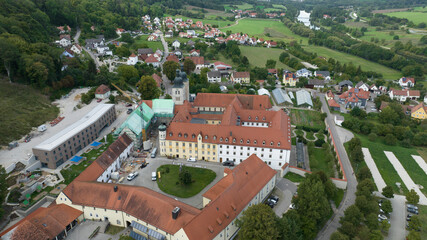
[
  {"x": 285, "y": 189},
  {"x": 144, "y": 178},
  {"x": 397, "y": 229}
]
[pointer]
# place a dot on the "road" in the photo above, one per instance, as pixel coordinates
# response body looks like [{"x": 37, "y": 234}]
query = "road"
[
  {"x": 77, "y": 36},
  {"x": 349, "y": 195},
  {"x": 76, "y": 40},
  {"x": 166, "y": 82}
]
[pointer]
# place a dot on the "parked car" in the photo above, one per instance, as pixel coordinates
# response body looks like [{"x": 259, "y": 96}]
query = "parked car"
[
  {"x": 292, "y": 206},
  {"x": 143, "y": 165},
  {"x": 272, "y": 201},
  {"x": 275, "y": 198},
  {"x": 132, "y": 176},
  {"x": 27, "y": 138},
  {"x": 130, "y": 110},
  {"x": 99, "y": 100},
  {"x": 382, "y": 217},
  {"x": 228, "y": 163},
  {"x": 191, "y": 160},
  {"x": 129, "y": 105},
  {"x": 270, "y": 204},
  {"x": 412, "y": 210},
  {"x": 408, "y": 218},
  {"x": 153, "y": 176},
  {"x": 412, "y": 206}
]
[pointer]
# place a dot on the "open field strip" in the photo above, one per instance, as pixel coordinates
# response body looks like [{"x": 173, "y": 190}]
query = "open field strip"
[
  {"x": 421, "y": 162},
  {"x": 407, "y": 180},
  {"x": 416, "y": 17},
  {"x": 378, "y": 179}
]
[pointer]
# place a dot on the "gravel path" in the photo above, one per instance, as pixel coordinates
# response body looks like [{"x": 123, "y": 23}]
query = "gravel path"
[
  {"x": 378, "y": 179},
  {"x": 405, "y": 176},
  {"x": 421, "y": 162}
]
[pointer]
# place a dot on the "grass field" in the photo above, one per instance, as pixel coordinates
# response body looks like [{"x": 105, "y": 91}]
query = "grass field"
[
  {"x": 210, "y": 12},
  {"x": 318, "y": 162},
  {"x": 258, "y": 56},
  {"x": 151, "y": 44},
  {"x": 423, "y": 219},
  {"x": 22, "y": 108},
  {"x": 306, "y": 118},
  {"x": 388, "y": 73},
  {"x": 244, "y": 6},
  {"x": 169, "y": 182},
  {"x": 387, "y": 170},
  {"x": 385, "y": 34},
  {"x": 414, "y": 16},
  {"x": 294, "y": 177},
  {"x": 220, "y": 23},
  {"x": 260, "y": 27}
]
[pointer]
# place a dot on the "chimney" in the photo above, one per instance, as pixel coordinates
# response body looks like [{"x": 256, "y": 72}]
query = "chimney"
[
  {"x": 175, "y": 213},
  {"x": 115, "y": 188},
  {"x": 231, "y": 133}
]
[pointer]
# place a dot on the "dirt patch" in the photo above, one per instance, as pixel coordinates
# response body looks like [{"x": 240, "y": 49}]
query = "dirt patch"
[{"x": 390, "y": 10}]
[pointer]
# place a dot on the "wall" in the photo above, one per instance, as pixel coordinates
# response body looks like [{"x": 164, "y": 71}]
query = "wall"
[
  {"x": 106, "y": 175},
  {"x": 190, "y": 149},
  {"x": 10, "y": 168}
]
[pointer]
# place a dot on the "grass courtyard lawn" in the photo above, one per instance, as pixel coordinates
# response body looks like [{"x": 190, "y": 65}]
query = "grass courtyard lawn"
[
  {"x": 307, "y": 118},
  {"x": 309, "y": 135},
  {"x": 293, "y": 177},
  {"x": 260, "y": 27},
  {"x": 72, "y": 172},
  {"x": 169, "y": 182},
  {"x": 258, "y": 56},
  {"x": 416, "y": 16},
  {"x": 113, "y": 230},
  {"x": 318, "y": 162},
  {"x": 151, "y": 44},
  {"x": 338, "y": 197},
  {"x": 21, "y": 108},
  {"x": 366, "y": 65},
  {"x": 423, "y": 219}
]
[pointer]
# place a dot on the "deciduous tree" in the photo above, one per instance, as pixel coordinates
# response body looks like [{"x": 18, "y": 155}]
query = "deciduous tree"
[
  {"x": 412, "y": 197},
  {"x": 147, "y": 86},
  {"x": 169, "y": 69},
  {"x": 258, "y": 222}
]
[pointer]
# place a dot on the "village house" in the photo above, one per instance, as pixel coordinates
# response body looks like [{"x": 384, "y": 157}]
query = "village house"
[
  {"x": 419, "y": 111},
  {"x": 221, "y": 66},
  {"x": 333, "y": 105},
  {"x": 240, "y": 77},
  {"x": 198, "y": 61},
  {"x": 158, "y": 79},
  {"x": 65, "y": 40},
  {"x": 195, "y": 53},
  {"x": 403, "y": 95},
  {"x": 151, "y": 60},
  {"x": 329, "y": 95},
  {"x": 102, "y": 92},
  {"x": 76, "y": 49},
  {"x": 289, "y": 79},
  {"x": 214, "y": 76},
  {"x": 304, "y": 73},
  {"x": 119, "y": 31},
  {"x": 176, "y": 44},
  {"x": 362, "y": 85},
  {"x": 354, "y": 97},
  {"x": 406, "y": 82},
  {"x": 324, "y": 74}
]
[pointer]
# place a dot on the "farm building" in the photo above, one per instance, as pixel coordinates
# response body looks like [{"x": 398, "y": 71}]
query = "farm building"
[
  {"x": 281, "y": 97},
  {"x": 102, "y": 92},
  {"x": 304, "y": 99}
]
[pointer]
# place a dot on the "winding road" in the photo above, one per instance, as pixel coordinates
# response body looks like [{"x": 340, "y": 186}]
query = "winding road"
[{"x": 349, "y": 195}]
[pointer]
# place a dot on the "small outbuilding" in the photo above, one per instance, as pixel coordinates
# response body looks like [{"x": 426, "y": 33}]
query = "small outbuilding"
[{"x": 102, "y": 92}]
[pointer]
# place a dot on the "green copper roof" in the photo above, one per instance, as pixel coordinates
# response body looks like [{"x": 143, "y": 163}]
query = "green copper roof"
[{"x": 138, "y": 120}]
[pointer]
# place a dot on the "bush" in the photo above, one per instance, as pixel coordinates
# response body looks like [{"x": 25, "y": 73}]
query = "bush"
[
  {"x": 390, "y": 139},
  {"x": 372, "y": 137},
  {"x": 319, "y": 142}
]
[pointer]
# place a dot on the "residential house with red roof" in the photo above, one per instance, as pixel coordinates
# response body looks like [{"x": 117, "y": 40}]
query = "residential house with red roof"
[
  {"x": 419, "y": 111},
  {"x": 152, "y": 60},
  {"x": 240, "y": 77},
  {"x": 102, "y": 92},
  {"x": 333, "y": 105},
  {"x": 406, "y": 82},
  {"x": 402, "y": 95},
  {"x": 222, "y": 66},
  {"x": 354, "y": 97}
]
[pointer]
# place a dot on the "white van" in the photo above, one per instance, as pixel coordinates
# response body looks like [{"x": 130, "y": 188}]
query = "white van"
[
  {"x": 42, "y": 128},
  {"x": 154, "y": 153},
  {"x": 153, "y": 176}
]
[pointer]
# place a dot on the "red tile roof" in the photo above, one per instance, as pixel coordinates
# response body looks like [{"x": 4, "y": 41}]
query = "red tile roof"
[
  {"x": 44, "y": 223},
  {"x": 256, "y": 102},
  {"x": 421, "y": 105},
  {"x": 241, "y": 75},
  {"x": 172, "y": 57},
  {"x": 102, "y": 89},
  {"x": 229, "y": 197},
  {"x": 158, "y": 79},
  {"x": 333, "y": 103},
  {"x": 197, "y": 60},
  {"x": 151, "y": 59}
]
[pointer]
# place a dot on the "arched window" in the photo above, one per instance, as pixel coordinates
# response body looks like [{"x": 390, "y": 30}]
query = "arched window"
[
  {"x": 248, "y": 141},
  {"x": 220, "y": 139},
  {"x": 278, "y": 144},
  {"x": 170, "y": 134},
  {"x": 263, "y": 142},
  {"x": 241, "y": 140},
  {"x": 226, "y": 139},
  {"x": 214, "y": 137},
  {"x": 255, "y": 141},
  {"x": 234, "y": 140},
  {"x": 249, "y": 117},
  {"x": 185, "y": 135},
  {"x": 271, "y": 144},
  {"x": 193, "y": 136},
  {"x": 179, "y": 135}
]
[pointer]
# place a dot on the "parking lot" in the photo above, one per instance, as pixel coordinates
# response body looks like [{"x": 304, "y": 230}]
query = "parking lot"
[
  {"x": 285, "y": 190},
  {"x": 144, "y": 178}
]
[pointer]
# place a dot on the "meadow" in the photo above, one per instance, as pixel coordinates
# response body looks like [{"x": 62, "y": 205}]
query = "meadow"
[
  {"x": 414, "y": 16},
  {"x": 22, "y": 108},
  {"x": 388, "y": 73},
  {"x": 151, "y": 44},
  {"x": 258, "y": 56}
]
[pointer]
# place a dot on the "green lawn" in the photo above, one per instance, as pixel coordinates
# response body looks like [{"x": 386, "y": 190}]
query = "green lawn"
[
  {"x": 151, "y": 44},
  {"x": 72, "y": 172},
  {"x": 244, "y": 6},
  {"x": 220, "y": 23},
  {"x": 309, "y": 136},
  {"x": 113, "y": 230},
  {"x": 306, "y": 118},
  {"x": 423, "y": 219},
  {"x": 169, "y": 182},
  {"x": 386, "y": 169},
  {"x": 22, "y": 108},
  {"x": 318, "y": 162},
  {"x": 258, "y": 56},
  {"x": 293, "y": 177},
  {"x": 338, "y": 197},
  {"x": 416, "y": 16},
  {"x": 260, "y": 27},
  {"x": 366, "y": 65}
]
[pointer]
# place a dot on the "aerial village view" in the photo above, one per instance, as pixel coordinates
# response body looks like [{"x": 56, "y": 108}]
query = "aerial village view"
[{"x": 220, "y": 119}]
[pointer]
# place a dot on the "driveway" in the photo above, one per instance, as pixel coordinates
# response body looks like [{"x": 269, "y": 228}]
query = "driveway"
[
  {"x": 144, "y": 178},
  {"x": 397, "y": 229},
  {"x": 285, "y": 190}
]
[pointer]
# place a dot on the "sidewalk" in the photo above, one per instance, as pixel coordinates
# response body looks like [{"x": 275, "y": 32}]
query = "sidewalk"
[
  {"x": 379, "y": 181},
  {"x": 405, "y": 176}
]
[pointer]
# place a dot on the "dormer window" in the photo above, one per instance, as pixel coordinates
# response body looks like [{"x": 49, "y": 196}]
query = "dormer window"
[
  {"x": 226, "y": 140},
  {"x": 220, "y": 139},
  {"x": 206, "y": 137},
  {"x": 256, "y": 118},
  {"x": 248, "y": 141},
  {"x": 271, "y": 144},
  {"x": 179, "y": 135},
  {"x": 263, "y": 142},
  {"x": 255, "y": 141},
  {"x": 234, "y": 140},
  {"x": 170, "y": 134},
  {"x": 241, "y": 140},
  {"x": 214, "y": 137},
  {"x": 278, "y": 144},
  {"x": 193, "y": 136},
  {"x": 185, "y": 135},
  {"x": 249, "y": 117},
  {"x": 263, "y": 118}
]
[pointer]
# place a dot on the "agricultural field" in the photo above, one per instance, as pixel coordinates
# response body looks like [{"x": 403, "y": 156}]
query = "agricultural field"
[
  {"x": 416, "y": 17},
  {"x": 220, "y": 23},
  {"x": 22, "y": 108},
  {"x": 151, "y": 44},
  {"x": 307, "y": 118},
  {"x": 261, "y": 27},
  {"x": 388, "y": 73},
  {"x": 245, "y": 6},
  {"x": 385, "y": 34},
  {"x": 210, "y": 13},
  {"x": 275, "y": 8},
  {"x": 258, "y": 56}
]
